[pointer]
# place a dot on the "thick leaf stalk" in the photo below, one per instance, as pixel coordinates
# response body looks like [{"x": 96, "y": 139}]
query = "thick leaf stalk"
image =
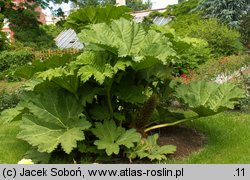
[{"x": 168, "y": 124}]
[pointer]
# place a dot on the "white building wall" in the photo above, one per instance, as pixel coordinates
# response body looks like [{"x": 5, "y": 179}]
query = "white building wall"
[{"x": 121, "y": 2}]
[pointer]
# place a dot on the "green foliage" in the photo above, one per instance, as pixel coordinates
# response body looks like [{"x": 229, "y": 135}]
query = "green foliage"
[
  {"x": 182, "y": 23},
  {"x": 107, "y": 87},
  {"x": 10, "y": 60},
  {"x": 84, "y": 3},
  {"x": 192, "y": 52},
  {"x": 221, "y": 39},
  {"x": 29, "y": 70},
  {"x": 52, "y": 30},
  {"x": 207, "y": 98},
  {"x": 126, "y": 38},
  {"x": 229, "y": 12},
  {"x": 79, "y": 19},
  {"x": 55, "y": 119},
  {"x": 11, "y": 148},
  {"x": 132, "y": 95},
  {"x": 37, "y": 157},
  {"x": 148, "y": 148},
  {"x": 182, "y": 8},
  {"x": 139, "y": 5},
  {"x": 13, "y": 114},
  {"x": 96, "y": 65},
  {"x": 110, "y": 137},
  {"x": 24, "y": 23},
  {"x": 245, "y": 29},
  {"x": 14, "y": 59},
  {"x": 8, "y": 100},
  {"x": 110, "y": 68},
  {"x": 244, "y": 104}
]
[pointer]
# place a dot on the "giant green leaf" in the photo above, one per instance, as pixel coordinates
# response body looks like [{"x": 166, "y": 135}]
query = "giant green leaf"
[
  {"x": 29, "y": 71},
  {"x": 79, "y": 19},
  {"x": 98, "y": 65},
  {"x": 63, "y": 77},
  {"x": 99, "y": 112},
  {"x": 55, "y": 120},
  {"x": 110, "y": 137},
  {"x": 88, "y": 93},
  {"x": 127, "y": 38},
  {"x": 208, "y": 98},
  {"x": 131, "y": 93}
]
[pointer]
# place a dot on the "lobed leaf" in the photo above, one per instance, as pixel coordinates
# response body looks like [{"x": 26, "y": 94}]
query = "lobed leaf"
[
  {"x": 91, "y": 15},
  {"x": 110, "y": 137},
  {"x": 55, "y": 120},
  {"x": 148, "y": 148},
  {"x": 208, "y": 98},
  {"x": 127, "y": 39}
]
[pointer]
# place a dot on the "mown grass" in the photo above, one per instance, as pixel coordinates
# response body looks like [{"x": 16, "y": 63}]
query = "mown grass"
[{"x": 228, "y": 140}]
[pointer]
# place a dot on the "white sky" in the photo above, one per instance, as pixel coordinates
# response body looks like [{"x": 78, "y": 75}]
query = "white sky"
[{"x": 157, "y": 4}]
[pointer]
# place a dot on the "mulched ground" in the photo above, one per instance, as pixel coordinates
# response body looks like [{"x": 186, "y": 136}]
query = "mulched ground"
[{"x": 185, "y": 139}]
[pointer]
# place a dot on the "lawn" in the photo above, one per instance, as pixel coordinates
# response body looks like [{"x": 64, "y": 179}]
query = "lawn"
[{"x": 228, "y": 140}]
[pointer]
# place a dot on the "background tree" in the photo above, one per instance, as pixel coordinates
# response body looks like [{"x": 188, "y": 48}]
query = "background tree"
[
  {"x": 245, "y": 29},
  {"x": 83, "y": 3},
  {"x": 136, "y": 5},
  {"x": 26, "y": 27},
  {"x": 227, "y": 11}
]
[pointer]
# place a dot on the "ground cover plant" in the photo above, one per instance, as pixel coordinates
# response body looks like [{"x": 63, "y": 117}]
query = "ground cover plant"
[{"x": 105, "y": 102}]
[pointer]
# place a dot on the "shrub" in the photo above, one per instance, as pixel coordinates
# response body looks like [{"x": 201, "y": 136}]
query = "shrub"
[
  {"x": 182, "y": 22},
  {"x": 8, "y": 75},
  {"x": 245, "y": 29},
  {"x": 14, "y": 59},
  {"x": 221, "y": 39},
  {"x": 192, "y": 52},
  {"x": 8, "y": 100}
]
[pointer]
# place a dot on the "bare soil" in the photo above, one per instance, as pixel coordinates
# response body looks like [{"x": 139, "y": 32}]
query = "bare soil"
[{"x": 186, "y": 140}]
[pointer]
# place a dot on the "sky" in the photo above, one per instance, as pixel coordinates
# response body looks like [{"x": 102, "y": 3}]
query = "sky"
[{"x": 157, "y": 4}]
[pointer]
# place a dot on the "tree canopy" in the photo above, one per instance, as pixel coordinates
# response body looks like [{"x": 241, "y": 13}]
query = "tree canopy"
[{"x": 227, "y": 11}]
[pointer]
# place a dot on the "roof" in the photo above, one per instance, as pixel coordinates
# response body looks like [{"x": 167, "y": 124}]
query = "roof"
[{"x": 68, "y": 39}]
